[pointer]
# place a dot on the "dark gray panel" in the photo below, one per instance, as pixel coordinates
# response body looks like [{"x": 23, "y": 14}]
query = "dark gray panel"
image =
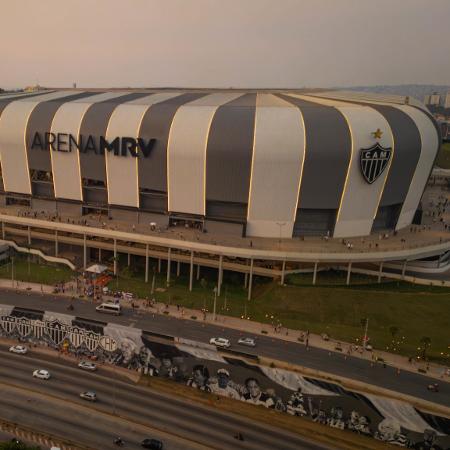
[
  {"x": 94, "y": 123},
  {"x": 226, "y": 211},
  {"x": 328, "y": 152},
  {"x": 40, "y": 120},
  {"x": 314, "y": 222},
  {"x": 386, "y": 218},
  {"x": 4, "y": 102},
  {"x": 152, "y": 171},
  {"x": 407, "y": 146},
  {"x": 230, "y": 149}
]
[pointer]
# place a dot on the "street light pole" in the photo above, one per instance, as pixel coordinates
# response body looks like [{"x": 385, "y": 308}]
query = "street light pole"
[
  {"x": 366, "y": 330},
  {"x": 12, "y": 271},
  {"x": 153, "y": 281},
  {"x": 215, "y": 301}
]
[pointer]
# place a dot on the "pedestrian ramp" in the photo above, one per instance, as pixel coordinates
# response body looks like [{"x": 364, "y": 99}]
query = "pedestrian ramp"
[{"x": 33, "y": 251}]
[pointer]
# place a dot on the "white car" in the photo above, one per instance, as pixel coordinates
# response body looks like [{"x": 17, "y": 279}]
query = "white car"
[
  {"x": 42, "y": 374},
  {"x": 248, "y": 341},
  {"x": 19, "y": 349},
  {"x": 89, "y": 396},
  {"x": 87, "y": 365},
  {"x": 220, "y": 342}
]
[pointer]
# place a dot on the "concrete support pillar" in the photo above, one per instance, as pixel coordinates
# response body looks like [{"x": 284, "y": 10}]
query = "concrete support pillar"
[
  {"x": 250, "y": 281},
  {"x": 349, "y": 271},
  {"x": 159, "y": 265},
  {"x": 56, "y": 243},
  {"x": 178, "y": 268},
  {"x": 220, "y": 275},
  {"x": 129, "y": 259},
  {"x": 115, "y": 257},
  {"x": 245, "y": 280},
  {"x": 3, "y": 230},
  {"x": 404, "y": 269},
  {"x": 146, "y": 263},
  {"x": 191, "y": 271},
  {"x": 315, "y": 273},
  {"x": 283, "y": 269},
  {"x": 380, "y": 272},
  {"x": 84, "y": 252},
  {"x": 29, "y": 235},
  {"x": 198, "y": 272},
  {"x": 169, "y": 251},
  {"x": 99, "y": 255}
]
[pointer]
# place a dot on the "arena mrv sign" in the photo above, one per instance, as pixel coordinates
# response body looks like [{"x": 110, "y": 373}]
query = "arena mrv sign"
[{"x": 120, "y": 146}]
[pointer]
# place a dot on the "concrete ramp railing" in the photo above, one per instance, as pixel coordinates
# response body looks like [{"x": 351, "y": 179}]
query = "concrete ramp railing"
[
  {"x": 33, "y": 251},
  {"x": 397, "y": 276}
]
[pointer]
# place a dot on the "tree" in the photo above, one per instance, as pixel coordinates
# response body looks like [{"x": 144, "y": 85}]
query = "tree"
[{"x": 425, "y": 342}]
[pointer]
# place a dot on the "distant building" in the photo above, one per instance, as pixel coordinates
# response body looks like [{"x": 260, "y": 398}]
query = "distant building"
[
  {"x": 32, "y": 88},
  {"x": 447, "y": 101},
  {"x": 426, "y": 100},
  {"x": 435, "y": 99}
]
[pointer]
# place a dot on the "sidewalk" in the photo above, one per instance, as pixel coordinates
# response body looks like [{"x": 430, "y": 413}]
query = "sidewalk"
[{"x": 256, "y": 328}]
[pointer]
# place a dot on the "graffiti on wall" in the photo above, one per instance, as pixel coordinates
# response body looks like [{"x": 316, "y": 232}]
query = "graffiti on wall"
[{"x": 202, "y": 367}]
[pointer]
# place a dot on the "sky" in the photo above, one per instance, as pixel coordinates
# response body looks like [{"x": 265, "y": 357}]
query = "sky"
[{"x": 224, "y": 43}]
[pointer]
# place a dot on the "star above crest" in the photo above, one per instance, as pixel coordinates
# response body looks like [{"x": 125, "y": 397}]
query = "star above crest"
[{"x": 377, "y": 134}]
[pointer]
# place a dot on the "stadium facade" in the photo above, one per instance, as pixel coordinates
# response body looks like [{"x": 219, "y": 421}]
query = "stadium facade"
[{"x": 263, "y": 164}]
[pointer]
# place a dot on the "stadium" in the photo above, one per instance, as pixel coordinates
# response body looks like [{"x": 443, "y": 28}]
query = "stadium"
[{"x": 243, "y": 168}]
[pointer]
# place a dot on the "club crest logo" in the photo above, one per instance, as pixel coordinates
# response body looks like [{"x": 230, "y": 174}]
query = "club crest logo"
[{"x": 373, "y": 161}]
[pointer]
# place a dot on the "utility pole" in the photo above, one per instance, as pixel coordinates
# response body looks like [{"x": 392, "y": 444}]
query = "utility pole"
[
  {"x": 215, "y": 301},
  {"x": 153, "y": 282},
  {"x": 12, "y": 271},
  {"x": 365, "y": 333}
]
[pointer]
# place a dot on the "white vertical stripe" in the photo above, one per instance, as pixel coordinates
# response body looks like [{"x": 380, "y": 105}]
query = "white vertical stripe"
[
  {"x": 278, "y": 156},
  {"x": 360, "y": 200},
  {"x": 122, "y": 171},
  {"x": 186, "y": 159},
  {"x": 429, "y": 148},
  {"x": 66, "y": 166},
  {"x": 13, "y": 126}
]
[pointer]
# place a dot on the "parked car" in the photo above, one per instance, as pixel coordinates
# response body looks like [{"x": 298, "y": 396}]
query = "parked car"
[
  {"x": 89, "y": 396},
  {"x": 248, "y": 341},
  {"x": 42, "y": 374},
  {"x": 220, "y": 342},
  {"x": 87, "y": 365},
  {"x": 19, "y": 349},
  {"x": 153, "y": 444}
]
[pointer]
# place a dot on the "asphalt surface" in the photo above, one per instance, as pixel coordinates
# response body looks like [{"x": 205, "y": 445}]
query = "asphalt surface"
[
  {"x": 359, "y": 369},
  {"x": 123, "y": 409}
]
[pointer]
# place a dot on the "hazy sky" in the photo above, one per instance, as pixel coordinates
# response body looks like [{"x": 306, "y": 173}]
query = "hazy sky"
[{"x": 224, "y": 43}]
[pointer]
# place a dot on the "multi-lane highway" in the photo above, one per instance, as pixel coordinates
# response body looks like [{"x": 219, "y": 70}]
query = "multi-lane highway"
[
  {"x": 123, "y": 409},
  {"x": 409, "y": 383}
]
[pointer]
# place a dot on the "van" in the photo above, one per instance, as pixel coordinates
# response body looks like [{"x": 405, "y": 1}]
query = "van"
[{"x": 109, "y": 308}]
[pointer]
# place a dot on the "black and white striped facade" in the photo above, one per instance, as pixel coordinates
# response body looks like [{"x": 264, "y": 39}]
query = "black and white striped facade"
[{"x": 281, "y": 164}]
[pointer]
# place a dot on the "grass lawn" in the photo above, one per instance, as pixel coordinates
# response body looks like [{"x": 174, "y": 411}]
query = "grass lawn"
[
  {"x": 36, "y": 273},
  {"x": 414, "y": 311},
  {"x": 443, "y": 158}
]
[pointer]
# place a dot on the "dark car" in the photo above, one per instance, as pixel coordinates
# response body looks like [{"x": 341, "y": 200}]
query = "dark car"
[
  {"x": 153, "y": 444},
  {"x": 433, "y": 387}
]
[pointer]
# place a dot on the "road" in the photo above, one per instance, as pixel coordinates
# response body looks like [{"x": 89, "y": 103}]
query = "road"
[
  {"x": 54, "y": 406},
  {"x": 409, "y": 383}
]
